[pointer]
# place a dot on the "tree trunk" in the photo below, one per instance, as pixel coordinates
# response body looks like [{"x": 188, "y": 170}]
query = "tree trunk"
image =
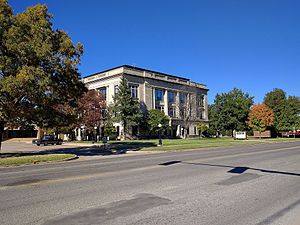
[
  {"x": 259, "y": 134},
  {"x": 1, "y": 133},
  {"x": 124, "y": 129},
  {"x": 184, "y": 133},
  {"x": 39, "y": 133}
]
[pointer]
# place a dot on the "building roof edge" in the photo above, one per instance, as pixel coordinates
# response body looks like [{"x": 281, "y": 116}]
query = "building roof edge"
[{"x": 139, "y": 68}]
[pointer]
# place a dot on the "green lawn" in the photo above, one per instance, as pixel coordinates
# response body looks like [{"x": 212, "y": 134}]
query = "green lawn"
[
  {"x": 20, "y": 160},
  {"x": 191, "y": 143},
  {"x": 181, "y": 144}
]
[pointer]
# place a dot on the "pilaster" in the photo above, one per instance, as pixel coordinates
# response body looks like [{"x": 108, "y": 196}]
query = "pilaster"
[{"x": 166, "y": 103}]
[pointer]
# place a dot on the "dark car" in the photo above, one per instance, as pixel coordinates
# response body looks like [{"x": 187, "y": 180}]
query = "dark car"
[
  {"x": 47, "y": 140},
  {"x": 294, "y": 134}
]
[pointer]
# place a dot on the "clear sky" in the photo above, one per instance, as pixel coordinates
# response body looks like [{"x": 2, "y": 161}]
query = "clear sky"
[{"x": 253, "y": 45}]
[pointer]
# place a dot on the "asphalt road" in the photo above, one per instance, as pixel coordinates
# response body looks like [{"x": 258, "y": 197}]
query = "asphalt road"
[{"x": 257, "y": 184}]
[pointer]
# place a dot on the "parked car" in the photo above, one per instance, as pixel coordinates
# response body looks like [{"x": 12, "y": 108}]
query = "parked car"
[
  {"x": 47, "y": 140},
  {"x": 290, "y": 134},
  {"x": 294, "y": 134}
]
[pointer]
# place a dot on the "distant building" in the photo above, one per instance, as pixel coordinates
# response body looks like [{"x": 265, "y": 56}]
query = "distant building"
[{"x": 156, "y": 90}]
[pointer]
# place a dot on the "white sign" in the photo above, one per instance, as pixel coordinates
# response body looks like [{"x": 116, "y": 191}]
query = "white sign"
[{"x": 241, "y": 135}]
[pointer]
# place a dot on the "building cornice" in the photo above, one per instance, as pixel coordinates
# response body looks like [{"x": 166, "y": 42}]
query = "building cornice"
[{"x": 140, "y": 72}]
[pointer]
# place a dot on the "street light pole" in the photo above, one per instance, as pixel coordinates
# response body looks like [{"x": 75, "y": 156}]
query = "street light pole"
[{"x": 294, "y": 132}]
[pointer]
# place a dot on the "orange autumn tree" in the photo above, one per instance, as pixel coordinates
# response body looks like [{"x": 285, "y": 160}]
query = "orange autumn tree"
[{"x": 260, "y": 117}]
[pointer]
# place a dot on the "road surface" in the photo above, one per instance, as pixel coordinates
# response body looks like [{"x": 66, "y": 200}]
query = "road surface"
[{"x": 258, "y": 184}]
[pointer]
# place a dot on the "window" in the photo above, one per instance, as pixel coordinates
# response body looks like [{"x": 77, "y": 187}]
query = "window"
[
  {"x": 159, "y": 95},
  {"x": 134, "y": 91},
  {"x": 200, "y": 113},
  {"x": 102, "y": 90},
  {"x": 116, "y": 89},
  {"x": 161, "y": 108},
  {"x": 171, "y": 96},
  {"x": 172, "y": 112},
  {"x": 182, "y": 97},
  {"x": 103, "y": 113},
  {"x": 201, "y": 100}
]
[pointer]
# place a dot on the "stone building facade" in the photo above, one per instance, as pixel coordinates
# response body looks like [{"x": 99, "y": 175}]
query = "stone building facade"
[{"x": 175, "y": 96}]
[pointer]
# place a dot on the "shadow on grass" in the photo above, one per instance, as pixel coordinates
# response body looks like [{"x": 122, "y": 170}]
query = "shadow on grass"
[{"x": 95, "y": 150}]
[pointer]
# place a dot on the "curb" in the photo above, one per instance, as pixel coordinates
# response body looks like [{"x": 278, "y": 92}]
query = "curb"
[
  {"x": 69, "y": 159},
  {"x": 42, "y": 163}
]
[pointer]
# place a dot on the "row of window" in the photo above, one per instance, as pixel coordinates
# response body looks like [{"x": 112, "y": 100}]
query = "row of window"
[
  {"x": 172, "y": 112},
  {"x": 133, "y": 88},
  {"x": 159, "y": 94}
]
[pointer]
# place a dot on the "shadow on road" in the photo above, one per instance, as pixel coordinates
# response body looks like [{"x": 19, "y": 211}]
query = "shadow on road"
[
  {"x": 233, "y": 169},
  {"x": 95, "y": 150}
]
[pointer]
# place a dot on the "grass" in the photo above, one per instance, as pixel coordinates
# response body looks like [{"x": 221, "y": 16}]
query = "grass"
[
  {"x": 184, "y": 144},
  {"x": 21, "y": 160},
  {"x": 210, "y": 143},
  {"x": 191, "y": 143}
]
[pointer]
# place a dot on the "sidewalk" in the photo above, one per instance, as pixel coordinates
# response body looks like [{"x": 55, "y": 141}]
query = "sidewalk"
[
  {"x": 25, "y": 140},
  {"x": 85, "y": 151}
]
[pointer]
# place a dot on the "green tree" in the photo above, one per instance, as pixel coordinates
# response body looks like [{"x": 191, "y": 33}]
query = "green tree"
[
  {"x": 125, "y": 108},
  {"x": 110, "y": 132},
  {"x": 202, "y": 127},
  {"x": 38, "y": 68},
  {"x": 214, "y": 120},
  {"x": 286, "y": 109},
  {"x": 276, "y": 100},
  {"x": 230, "y": 110},
  {"x": 289, "y": 118},
  {"x": 293, "y": 103},
  {"x": 155, "y": 118}
]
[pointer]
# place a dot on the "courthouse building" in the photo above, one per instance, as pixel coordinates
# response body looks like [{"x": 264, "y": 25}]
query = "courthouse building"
[{"x": 156, "y": 90}]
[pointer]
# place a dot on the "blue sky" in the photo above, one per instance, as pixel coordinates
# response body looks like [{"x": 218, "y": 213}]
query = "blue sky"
[{"x": 253, "y": 45}]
